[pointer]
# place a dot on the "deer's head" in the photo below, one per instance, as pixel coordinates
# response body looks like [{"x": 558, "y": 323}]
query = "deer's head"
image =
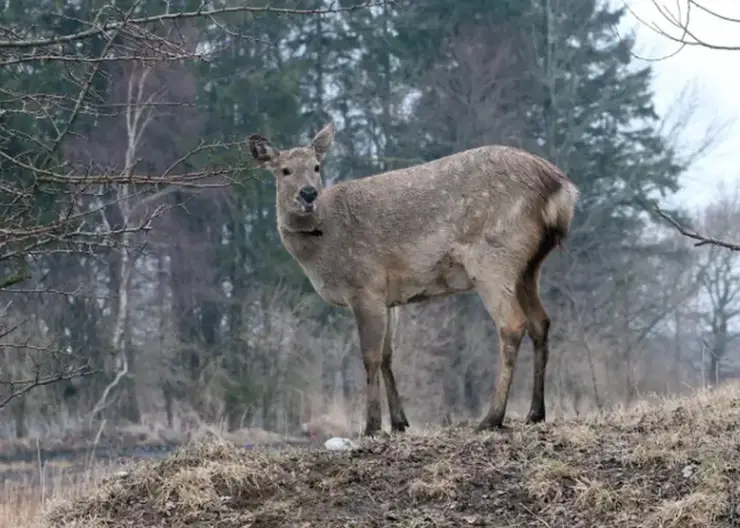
[{"x": 296, "y": 170}]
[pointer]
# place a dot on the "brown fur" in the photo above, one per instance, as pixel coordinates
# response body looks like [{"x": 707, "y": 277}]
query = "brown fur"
[{"x": 481, "y": 220}]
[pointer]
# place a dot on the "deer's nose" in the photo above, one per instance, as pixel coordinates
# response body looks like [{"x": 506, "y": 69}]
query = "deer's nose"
[{"x": 308, "y": 194}]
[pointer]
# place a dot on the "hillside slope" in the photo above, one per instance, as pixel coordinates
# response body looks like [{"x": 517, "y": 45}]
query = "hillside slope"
[{"x": 673, "y": 463}]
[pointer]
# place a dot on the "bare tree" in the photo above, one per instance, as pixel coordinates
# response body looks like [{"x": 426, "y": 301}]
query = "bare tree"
[
  {"x": 720, "y": 282},
  {"x": 156, "y": 119},
  {"x": 97, "y": 207},
  {"x": 125, "y": 37},
  {"x": 676, "y": 25},
  {"x": 475, "y": 86}
]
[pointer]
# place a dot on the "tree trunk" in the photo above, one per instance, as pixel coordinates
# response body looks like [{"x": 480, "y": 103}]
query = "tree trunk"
[
  {"x": 130, "y": 409},
  {"x": 168, "y": 397},
  {"x": 713, "y": 374},
  {"x": 19, "y": 415}
]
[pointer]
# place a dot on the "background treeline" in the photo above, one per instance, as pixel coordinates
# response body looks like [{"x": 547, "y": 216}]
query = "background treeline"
[{"x": 143, "y": 279}]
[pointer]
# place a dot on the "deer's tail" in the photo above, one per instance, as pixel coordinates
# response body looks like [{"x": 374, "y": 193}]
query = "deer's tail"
[{"x": 558, "y": 211}]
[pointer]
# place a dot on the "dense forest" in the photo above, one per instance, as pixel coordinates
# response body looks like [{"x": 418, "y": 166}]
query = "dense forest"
[{"x": 143, "y": 279}]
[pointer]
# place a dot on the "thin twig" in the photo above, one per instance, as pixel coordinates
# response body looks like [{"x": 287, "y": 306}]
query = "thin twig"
[
  {"x": 703, "y": 240},
  {"x": 182, "y": 15}
]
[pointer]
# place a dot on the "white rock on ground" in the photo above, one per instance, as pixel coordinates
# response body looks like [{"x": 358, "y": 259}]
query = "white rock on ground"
[{"x": 339, "y": 444}]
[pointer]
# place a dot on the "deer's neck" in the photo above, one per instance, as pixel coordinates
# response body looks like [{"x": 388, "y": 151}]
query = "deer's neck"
[
  {"x": 308, "y": 225},
  {"x": 302, "y": 235},
  {"x": 308, "y": 237}
]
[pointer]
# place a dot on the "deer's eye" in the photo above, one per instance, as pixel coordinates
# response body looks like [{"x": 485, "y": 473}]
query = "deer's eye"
[
  {"x": 286, "y": 172},
  {"x": 317, "y": 168}
]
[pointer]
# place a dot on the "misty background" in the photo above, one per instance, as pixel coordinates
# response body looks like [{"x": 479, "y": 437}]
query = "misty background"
[{"x": 144, "y": 281}]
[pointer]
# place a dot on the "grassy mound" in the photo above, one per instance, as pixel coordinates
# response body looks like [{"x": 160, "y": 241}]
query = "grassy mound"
[{"x": 673, "y": 463}]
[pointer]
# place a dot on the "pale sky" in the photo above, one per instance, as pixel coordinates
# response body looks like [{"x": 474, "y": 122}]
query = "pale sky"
[{"x": 714, "y": 77}]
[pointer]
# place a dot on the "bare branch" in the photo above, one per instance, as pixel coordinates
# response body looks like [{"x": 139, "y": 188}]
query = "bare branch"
[
  {"x": 18, "y": 388},
  {"x": 703, "y": 240},
  {"x": 680, "y": 23},
  {"x": 169, "y": 17}
]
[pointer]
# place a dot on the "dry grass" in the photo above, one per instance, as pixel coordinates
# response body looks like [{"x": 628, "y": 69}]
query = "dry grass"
[
  {"x": 673, "y": 463},
  {"x": 28, "y": 491}
]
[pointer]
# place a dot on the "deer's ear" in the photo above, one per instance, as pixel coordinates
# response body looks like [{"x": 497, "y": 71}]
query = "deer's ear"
[
  {"x": 322, "y": 141},
  {"x": 262, "y": 150}
]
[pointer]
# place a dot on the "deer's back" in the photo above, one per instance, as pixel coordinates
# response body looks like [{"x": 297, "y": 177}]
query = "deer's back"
[{"x": 458, "y": 198}]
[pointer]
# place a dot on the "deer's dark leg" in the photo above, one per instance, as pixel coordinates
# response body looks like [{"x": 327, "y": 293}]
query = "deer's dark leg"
[
  {"x": 538, "y": 328},
  {"x": 399, "y": 423}
]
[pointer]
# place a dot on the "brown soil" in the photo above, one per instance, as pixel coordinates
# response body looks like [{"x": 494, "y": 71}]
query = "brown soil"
[{"x": 674, "y": 463}]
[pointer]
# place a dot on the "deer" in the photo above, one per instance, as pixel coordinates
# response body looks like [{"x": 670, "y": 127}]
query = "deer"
[{"x": 478, "y": 221}]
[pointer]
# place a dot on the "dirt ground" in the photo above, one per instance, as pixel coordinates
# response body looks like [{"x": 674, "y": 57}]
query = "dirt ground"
[{"x": 673, "y": 463}]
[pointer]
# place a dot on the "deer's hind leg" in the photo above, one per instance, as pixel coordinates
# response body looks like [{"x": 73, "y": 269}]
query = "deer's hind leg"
[
  {"x": 498, "y": 293},
  {"x": 399, "y": 423},
  {"x": 538, "y": 328},
  {"x": 538, "y": 324}
]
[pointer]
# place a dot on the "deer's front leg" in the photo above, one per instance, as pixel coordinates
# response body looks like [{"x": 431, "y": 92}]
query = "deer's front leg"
[{"x": 371, "y": 317}]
